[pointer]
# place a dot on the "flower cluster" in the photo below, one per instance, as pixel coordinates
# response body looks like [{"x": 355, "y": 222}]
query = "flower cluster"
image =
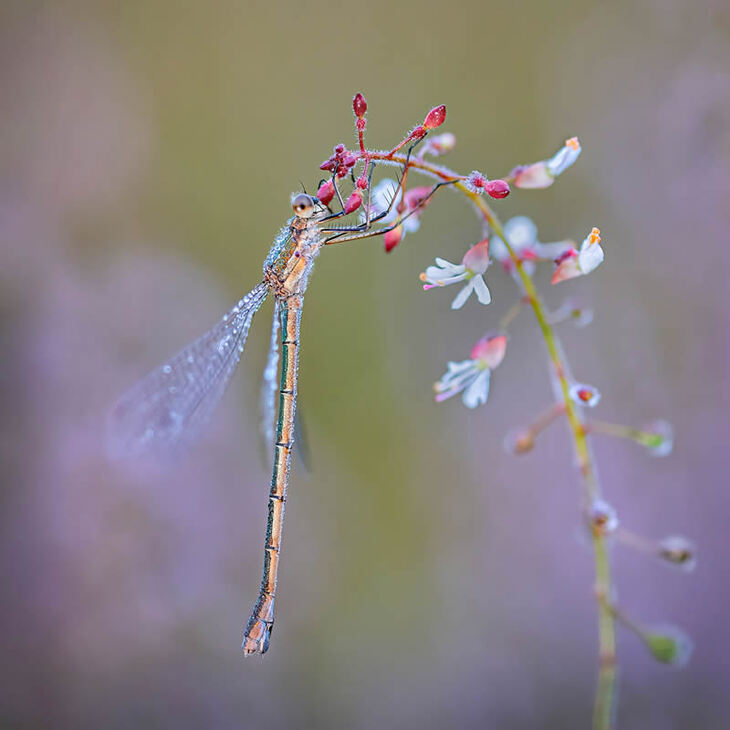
[{"x": 516, "y": 247}]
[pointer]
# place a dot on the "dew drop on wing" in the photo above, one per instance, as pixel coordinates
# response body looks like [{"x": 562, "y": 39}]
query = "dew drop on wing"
[{"x": 167, "y": 409}]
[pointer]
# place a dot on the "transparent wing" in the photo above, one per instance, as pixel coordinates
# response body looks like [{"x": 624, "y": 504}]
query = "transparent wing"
[
  {"x": 269, "y": 386},
  {"x": 168, "y": 408}
]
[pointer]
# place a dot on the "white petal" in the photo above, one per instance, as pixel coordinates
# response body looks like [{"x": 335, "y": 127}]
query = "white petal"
[
  {"x": 462, "y": 296},
  {"x": 481, "y": 290},
  {"x": 477, "y": 391},
  {"x": 444, "y": 264},
  {"x": 412, "y": 224},
  {"x": 521, "y": 232},
  {"x": 383, "y": 193},
  {"x": 498, "y": 250},
  {"x": 554, "y": 250},
  {"x": 590, "y": 257},
  {"x": 458, "y": 367}
]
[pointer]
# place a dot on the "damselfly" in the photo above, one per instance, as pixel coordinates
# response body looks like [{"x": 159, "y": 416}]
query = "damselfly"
[{"x": 169, "y": 407}]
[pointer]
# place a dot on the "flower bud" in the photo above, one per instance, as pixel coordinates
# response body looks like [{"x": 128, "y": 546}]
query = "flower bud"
[
  {"x": 476, "y": 181},
  {"x": 392, "y": 238},
  {"x": 326, "y": 192},
  {"x": 602, "y": 517},
  {"x": 668, "y": 645},
  {"x": 440, "y": 144},
  {"x": 435, "y": 118},
  {"x": 519, "y": 441},
  {"x": 679, "y": 551},
  {"x": 362, "y": 182},
  {"x": 660, "y": 442},
  {"x": 585, "y": 395},
  {"x": 353, "y": 202},
  {"x": 497, "y": 189},
  {"x": 359, "y": 105}
]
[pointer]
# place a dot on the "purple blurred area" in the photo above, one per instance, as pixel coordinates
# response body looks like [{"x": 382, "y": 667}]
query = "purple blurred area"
[{"x": 147, "y": 151}]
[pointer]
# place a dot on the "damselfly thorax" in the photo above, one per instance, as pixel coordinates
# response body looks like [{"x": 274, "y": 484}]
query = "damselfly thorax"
[{"x": 290, "y": 260}]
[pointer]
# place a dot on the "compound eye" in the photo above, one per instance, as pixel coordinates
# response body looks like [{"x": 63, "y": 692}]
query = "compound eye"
[{"x": 303, "y": 205}]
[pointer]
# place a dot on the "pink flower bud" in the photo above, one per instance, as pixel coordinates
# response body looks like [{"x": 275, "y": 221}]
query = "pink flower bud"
[
  {"x": 435, "y": 118},
  {"x": 519, "y": 441},
  {"x": 490, "y": 350},
  {"x": 339, "y": 149},
  {"x": 359, "y": 105},
  {"x": 497, "y": 189},
  {"x": 392, "y": 238},
  {"x": 362, "y": 182},
  {"x": 353, "y": 202},
  {"x": 326, "y": 192},
  {"x": 349, "y": 159},
  {"x": 476, "y": 181},
  {"x": 418, "y": 132}
]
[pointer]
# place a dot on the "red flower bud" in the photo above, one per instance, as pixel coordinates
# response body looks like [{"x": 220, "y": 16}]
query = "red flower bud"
[
  {"x": 418, "y": 133},
  {"x": 477, "y": 181},
  {"x": 435, "y": 118},
  {"x": 392, "y": 238},
  {"x": 326, "y": 192},
  {"x": 362, "y": 182},
  {"x": 359, "y": 105},
  {"x": 353, "y": 202},
  {"x": 349, "y": 159},
  {"x": 497, "y": 189}
]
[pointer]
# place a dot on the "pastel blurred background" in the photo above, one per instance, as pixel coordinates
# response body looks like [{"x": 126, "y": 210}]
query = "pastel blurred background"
[{"x": 429, "y": 580}]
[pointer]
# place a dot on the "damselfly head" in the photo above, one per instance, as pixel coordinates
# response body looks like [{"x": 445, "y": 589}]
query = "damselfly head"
[{"x": 305, "y": 206}]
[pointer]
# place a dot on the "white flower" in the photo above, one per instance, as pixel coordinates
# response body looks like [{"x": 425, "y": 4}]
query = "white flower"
[
  {"x": 521, "y": 233},
  {"x": 472, "y": 376},
  {"x": 564, "y": 157},
  {"x": 574, "y": 263},
  {"x": 542, "y": 174},
  {"x": 470, "y": 270},
  {"x": 383, "y": 193}
]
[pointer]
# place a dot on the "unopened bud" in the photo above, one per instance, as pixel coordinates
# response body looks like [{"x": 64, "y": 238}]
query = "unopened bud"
[
  {"x": 660, "y": 440},
  {"x": 362, "y": 182},
  {"x": 326, "y": 192},
  {"x": 497, "y": 189},
  {"x": 353, "y": 202},
  {"x": 519, "y": 441},
  {"x": 679, "y": 551},
  {"x": 359, "y": 105},
  {"x": 585, "y": 395},
  {"x": 602, "y": 517},
  {"x": 668, "y": 645},
  {"x": 435, "y": 118},
  {"x": 476, "y": 181},
  {"x": 392, "y": 238}
]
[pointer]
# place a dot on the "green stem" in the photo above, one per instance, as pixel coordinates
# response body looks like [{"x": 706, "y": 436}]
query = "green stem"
[{"x": 644, "y": 438}]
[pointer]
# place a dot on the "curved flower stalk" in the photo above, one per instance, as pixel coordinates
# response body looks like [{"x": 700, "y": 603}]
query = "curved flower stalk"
[{"x": 518, "y": 249}]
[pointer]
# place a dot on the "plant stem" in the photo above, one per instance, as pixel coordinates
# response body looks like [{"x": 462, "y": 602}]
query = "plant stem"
[{"x": 605, "y": 693}]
